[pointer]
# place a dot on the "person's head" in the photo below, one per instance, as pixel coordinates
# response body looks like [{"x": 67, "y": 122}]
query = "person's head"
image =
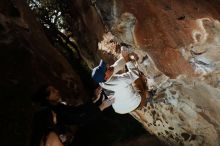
[
  {"x": 47, "y": 94},
  {"x": 102, "y": 72}
]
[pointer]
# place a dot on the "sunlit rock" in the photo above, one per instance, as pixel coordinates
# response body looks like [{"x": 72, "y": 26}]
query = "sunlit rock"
[{"x": 185, "y": 110}]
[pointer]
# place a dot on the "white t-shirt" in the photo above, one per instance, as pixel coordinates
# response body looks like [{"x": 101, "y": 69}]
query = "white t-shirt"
[{"x": 126, "y": 98}]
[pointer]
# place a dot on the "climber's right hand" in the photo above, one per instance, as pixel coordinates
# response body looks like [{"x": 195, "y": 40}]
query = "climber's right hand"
[{"x": 106, "y": 103}]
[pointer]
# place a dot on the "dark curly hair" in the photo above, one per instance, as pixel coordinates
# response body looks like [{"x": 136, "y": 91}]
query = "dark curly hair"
[{"x": 41, "y": 95}]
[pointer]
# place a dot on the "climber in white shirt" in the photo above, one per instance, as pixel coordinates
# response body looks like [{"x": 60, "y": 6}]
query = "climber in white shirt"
[{"x": 126, "y": 98}]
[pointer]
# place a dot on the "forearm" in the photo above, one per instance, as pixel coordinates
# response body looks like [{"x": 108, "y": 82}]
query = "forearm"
[
  {"x": 119, "y": 65},
  {"x": 131, "y": 75}
]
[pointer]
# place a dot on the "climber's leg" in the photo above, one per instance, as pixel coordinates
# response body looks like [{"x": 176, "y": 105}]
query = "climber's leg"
[{"x": 141, "y": 87}]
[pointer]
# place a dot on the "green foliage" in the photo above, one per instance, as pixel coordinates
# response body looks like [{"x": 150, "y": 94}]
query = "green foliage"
[
  {"x": 53, "y": 15},
  {"x": 56, "y": 19},
  {"x": 50, "y": 12}
]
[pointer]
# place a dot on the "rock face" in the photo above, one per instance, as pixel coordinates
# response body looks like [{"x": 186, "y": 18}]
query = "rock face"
[
  {"x": 178, "y": 46},
  {"x": 88, "y": 28}
]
